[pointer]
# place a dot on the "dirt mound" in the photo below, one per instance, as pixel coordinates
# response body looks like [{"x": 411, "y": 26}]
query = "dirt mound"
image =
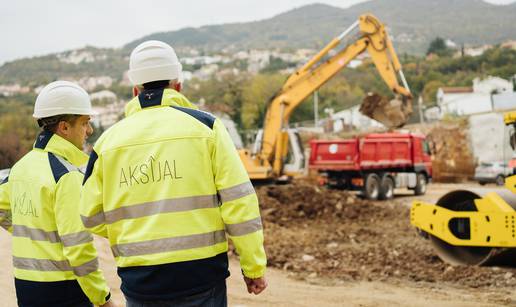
[
  {"x": 334, "y": 236},
  {"x": 288, "y": 204},
  {"x": 391, "y": 113},
  {"x": 453, "y": 159}
]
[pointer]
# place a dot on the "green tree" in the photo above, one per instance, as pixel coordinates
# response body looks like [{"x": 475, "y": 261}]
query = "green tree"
[
  {"x": 430, "y": 91},
  {"x": 18, "y": 131},
  {"x": 438, "y": 46},
  {"x": 256, "y": 96}
]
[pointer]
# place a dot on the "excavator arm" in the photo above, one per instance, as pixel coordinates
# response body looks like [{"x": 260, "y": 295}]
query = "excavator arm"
[{"x": 374, "y": 39}]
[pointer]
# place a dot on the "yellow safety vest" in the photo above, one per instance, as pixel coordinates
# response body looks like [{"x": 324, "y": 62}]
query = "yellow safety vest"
[
  {"x": 39, "y": 205},
  {"x": 165, "y": 185}
]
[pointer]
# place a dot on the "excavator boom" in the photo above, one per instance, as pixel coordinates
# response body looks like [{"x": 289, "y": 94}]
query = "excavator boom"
[{"x": 373, "y": 38}]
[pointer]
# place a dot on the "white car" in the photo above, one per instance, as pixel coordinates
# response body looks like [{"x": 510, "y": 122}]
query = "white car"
[
  {"x": 4, "y": 173},
  {"x": 492, "y": 172}
]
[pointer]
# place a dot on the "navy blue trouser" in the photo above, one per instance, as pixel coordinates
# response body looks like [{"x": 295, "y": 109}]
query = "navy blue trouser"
[
  {"x": 215, "y": 297},
  {"x": 64, "y": 293}
]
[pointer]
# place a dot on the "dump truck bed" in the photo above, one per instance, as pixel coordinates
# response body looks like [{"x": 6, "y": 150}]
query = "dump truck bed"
[{"x": 374, "y": 151}]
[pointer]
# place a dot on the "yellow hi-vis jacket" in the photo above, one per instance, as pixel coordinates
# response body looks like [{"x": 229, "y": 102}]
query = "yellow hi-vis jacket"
[
  {"x": 53, "y": 255},
  {"x": 165, "y": 185}
]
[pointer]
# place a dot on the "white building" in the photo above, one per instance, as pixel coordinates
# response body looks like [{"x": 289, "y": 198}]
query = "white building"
[
  {"x": 109, "y": 114},
  {"x": 227, "y": 72},
  {"x": 258, "y": 60},
  {"x": 79, "y": 56},
  {"x": 509, "y": 44},
  {"x": 91, "y": 83},
  {"x": 492, "y": 84},
  {"x": 186, "y": 75},
  {"x": 489, "y": 137},
  {"x": 504, "y": 101},
  {"x": 13, "y": 89},
  {"x": 352, "y": 119},
  {"x": 241, "y": 55},
  {"x": 104, "y": 95},
  {"x": 206, "y": 71},
  {"x": 205, "y": 60},
  {"x": 476, "y": 51},
  {"x": 479, "y": 98}
]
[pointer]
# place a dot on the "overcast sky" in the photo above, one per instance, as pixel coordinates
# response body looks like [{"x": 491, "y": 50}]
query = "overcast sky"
[{"x": 37, "y": 27}]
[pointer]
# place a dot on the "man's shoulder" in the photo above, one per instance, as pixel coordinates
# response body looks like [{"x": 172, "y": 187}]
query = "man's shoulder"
[
  {"x": 204, "y": 117},
  {"x": 30, "y": 160},
  {"x": 112, "y": 133},
  {"x": 38, "y": 164},
  {"x": 60, "y": 167}
]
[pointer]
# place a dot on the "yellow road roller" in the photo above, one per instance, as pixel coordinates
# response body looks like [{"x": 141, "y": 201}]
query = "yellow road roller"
[{"x": 472, "y": 227}]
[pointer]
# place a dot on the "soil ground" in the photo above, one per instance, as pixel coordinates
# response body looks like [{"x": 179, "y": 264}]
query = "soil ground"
[{"x": 332, "y": 248}]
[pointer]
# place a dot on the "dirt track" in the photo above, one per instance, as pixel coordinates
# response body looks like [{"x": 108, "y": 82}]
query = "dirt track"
[{"x": 330, "y": 248}]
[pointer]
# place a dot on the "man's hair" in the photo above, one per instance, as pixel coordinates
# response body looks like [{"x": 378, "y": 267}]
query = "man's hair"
[
  {"x": 50, "y": 123},
  {"x": 154, "y": 85}
]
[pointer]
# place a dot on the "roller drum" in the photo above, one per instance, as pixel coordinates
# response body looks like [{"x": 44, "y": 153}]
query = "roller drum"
[{"x": 463, "y": 200}]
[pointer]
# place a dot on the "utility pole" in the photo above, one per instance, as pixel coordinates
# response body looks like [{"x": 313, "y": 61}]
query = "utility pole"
[
  {"x": 316, "y": 109},
  {"x": 420, "y": 107}
]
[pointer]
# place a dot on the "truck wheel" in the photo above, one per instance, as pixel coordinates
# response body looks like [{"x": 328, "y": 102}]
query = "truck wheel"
[
  {"x": 420, "y": 188},
  {"x": 372, "y": 186},
  {"x": 386, "y": 188},
  {"x": 500, "y": 180}
]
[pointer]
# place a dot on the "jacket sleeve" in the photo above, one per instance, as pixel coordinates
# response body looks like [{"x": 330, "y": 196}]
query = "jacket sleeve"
[
  {"x": 5, "y": 206},
  {"x": 91, "y": 203},
  {"x": 77, "y": 243},
  {"x": 239, "y": 204}
]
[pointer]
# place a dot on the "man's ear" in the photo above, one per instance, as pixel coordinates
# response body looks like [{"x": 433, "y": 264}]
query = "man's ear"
[
  {"x": 178, "y": 86},
  {"x": 63, "y": 127},
  {"x": 136, "y": 91}
]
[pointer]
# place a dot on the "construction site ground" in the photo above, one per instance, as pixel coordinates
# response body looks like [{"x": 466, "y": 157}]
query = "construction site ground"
[{"x": 332, "y": 248}]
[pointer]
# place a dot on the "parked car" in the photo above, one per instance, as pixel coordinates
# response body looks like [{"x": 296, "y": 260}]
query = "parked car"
[{"x": 495, "y": 172}]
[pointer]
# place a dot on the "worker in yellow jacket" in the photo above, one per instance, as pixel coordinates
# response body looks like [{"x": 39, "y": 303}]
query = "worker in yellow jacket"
[
  {"x": 165, "y": 185},
  {"x": 55, "y": 262}
]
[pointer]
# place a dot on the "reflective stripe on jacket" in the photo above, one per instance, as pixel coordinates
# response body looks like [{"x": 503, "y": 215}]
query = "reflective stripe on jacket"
[
  {"x": 165, "y": 185},
  {"x": 39, "y": 206}
]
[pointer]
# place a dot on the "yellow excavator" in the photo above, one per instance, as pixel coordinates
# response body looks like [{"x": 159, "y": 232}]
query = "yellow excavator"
[
  {"x": 472, "y": 227},
  {"x": 276, "y": 142}
]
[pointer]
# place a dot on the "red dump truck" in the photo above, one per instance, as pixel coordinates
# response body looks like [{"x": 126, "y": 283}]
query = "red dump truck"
[{"x": 375, "y": 164}]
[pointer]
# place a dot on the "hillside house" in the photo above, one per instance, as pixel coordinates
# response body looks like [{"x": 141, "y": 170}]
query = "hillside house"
[{"x": 490, "y": 94}]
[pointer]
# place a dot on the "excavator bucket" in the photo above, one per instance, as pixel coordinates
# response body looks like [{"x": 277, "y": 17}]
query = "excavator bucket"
[{"x": 391, "y": 113}]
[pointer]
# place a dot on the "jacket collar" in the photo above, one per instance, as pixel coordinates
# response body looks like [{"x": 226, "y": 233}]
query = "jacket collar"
[
  {"x": 51, "y": 142},
  {"x": 157, "y": 98}
]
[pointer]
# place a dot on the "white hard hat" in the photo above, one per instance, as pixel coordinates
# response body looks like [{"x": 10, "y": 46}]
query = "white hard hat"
[
  {"x": 153, "y": 61},
  {"x": 62, "y": 97}
]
